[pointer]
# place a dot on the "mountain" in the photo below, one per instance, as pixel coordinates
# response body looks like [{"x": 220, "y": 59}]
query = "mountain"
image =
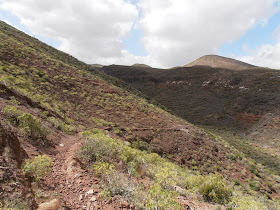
[
  {"x": 141, "y": 65},
  {"x": 97, "y": 66},
  {"x": 216, "y": 61},
  {"x": 73, "y": 138},
  {"x": 243, "y": 105}
]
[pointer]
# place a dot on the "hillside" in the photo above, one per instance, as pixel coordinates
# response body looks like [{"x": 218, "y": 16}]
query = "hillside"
[
  {"x": 241, "y": 102},
  {"x": 216, "y": 61},
  {"x": 71, "y": 137}
]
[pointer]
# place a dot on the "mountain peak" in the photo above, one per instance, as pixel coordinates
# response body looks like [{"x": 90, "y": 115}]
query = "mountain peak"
[{"x": 217, "y": 61}]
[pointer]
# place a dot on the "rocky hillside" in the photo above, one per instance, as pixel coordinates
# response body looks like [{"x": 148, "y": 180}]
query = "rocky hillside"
[
  {"x": 72, "y": 139},
  {"x": 244, "y": 103}
]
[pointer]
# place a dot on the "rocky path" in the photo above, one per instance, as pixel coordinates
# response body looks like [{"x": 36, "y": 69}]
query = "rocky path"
[
  {"x": 77, "y": 188},
  {"x": 75, "y": 185}
]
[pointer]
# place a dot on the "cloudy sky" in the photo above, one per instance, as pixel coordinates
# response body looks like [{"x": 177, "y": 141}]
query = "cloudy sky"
[{"x": 161, "y": 33}]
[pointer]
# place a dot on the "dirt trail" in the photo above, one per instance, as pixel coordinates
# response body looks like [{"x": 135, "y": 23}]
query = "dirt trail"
[{"x": 76, "y": 186}]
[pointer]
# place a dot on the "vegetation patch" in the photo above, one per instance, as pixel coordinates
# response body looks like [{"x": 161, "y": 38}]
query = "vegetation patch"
[
  {"x": 31, "y": 125},
  {"x": 37, "y": 168}
]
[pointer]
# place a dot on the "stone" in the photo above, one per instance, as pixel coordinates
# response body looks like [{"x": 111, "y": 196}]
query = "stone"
[
  {"x": 77, "y": 175},
  {"x": 93, "y": 199},
  {"x": 90, "y": 192},
  {"x": 53, "y": 204},
  {"x": 124, "y": 204}
]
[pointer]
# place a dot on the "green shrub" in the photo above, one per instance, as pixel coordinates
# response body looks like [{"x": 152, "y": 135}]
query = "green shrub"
[
  {"x": 255, "y": 185},
  {"x": 236, "y": 182},
  {"x": 103, "y": 168},
  {"x": 115, "y": 183},
  {"x": 59, "y": 124},
  {"x": 97, "y": 147},
  {"x": 104, "y": 195},
  {"x": 212, "y": 187},
  {"x": 44, "y": 114},
  {"x": 101, "y": 122},
  {"x": 159, "y": 198},
  {"x": 247, "y": 202},
  {"x": 12, "y": 113},
  {"x": 141, "y": 145},
  {"x": 166, "y": 176},
  {"x": 4, "y": 68},
  {"x": 119, "y": 184},
  {"x": 38, "y": 168},
  {"x": 33, "y": 126},
  {"x": 232, "y": 157}
]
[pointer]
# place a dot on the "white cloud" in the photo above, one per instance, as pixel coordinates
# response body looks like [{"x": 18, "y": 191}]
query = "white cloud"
[
  {"x": 127, "y": 58},
  {"x": 175, "y": 32},
  {"x": 178, "y": 31},
  {"x": 267, "y": 56},
  {"x": 88, "y": 29}
]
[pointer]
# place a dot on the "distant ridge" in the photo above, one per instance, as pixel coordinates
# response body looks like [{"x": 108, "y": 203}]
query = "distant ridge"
[
  {"x": 97, "y": 65},
  {"x": 217, "y": 61},
  {"x": 141, "y": 65}
]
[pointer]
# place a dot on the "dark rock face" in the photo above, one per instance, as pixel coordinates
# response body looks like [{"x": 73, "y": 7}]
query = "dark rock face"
[
  {"x": 8, "y": 139},
  {"x": 13, "y": 186}
]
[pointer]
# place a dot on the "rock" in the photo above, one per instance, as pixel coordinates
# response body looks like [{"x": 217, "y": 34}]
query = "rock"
[
  {"x": 54, "y": 204},
  {"x": 180, "y": 190},
  {"x": 90, "y": 192},
  {"x": 132, "y": 206},
  {"x": 29, "y": 195},
  {"x": 97, "y": 190},
  {"x": 93, "y": 199},
  {"x": 124, "y": 204},
  {"x": 81, "y": 197},
  {"x": 77, "y": 175},
  {"x": 127, "y": 143}
]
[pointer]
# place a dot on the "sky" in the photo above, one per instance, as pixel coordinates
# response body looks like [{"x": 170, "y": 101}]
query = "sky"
[{"x": 159, "y": 33}]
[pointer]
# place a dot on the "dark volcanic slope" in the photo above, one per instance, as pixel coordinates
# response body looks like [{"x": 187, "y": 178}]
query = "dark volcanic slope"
[
  {"x": 216, "y": 61},
  {"x": 209, "y": 96}
]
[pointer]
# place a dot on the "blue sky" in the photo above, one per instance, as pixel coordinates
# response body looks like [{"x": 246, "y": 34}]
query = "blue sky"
[
  {"x": 159, "y": 33},
  {"x": 259, "y": 35},
  {"x": 133, "y": 43}
]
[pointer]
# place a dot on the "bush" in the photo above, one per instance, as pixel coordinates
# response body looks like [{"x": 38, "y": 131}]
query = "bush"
[
  {"x": 4, "y": 68},
  {"x": 212, "y": 187},
  {"x": 255, "y": 185},
  {"x": 119, "y": 184},
  {"x": 103, "y": 150},
  {"x": 115, "y": 183},
  {"x": 59, "y": 124},
  {"x": 12, "y": 114},
  {"x": 38, "y": 168},
  {"x": 159, "y": 198},
  {"x": 103, "y": 168},
  {"x": 104, "y": 195},
  {"x": 97, "y": 147},
  {"x": 33, "y": 126},
  {"x": 248, "y": 202}
]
